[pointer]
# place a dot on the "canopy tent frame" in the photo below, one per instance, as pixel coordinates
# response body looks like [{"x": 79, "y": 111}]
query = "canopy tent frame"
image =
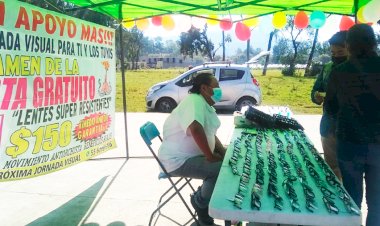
[{"x": 213, "y": 8}]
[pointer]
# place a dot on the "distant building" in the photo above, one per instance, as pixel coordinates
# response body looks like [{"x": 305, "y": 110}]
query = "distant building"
[{"x": 167, "y": 61}]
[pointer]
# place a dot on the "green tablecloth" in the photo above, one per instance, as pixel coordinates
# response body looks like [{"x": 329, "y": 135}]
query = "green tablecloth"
[{"x": 221, "y": 206}]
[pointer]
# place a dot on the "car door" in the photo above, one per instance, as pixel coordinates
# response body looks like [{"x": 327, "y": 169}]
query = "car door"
[
  {"x": 186, "y": 82},
  {"x": 232, "y": 83}
]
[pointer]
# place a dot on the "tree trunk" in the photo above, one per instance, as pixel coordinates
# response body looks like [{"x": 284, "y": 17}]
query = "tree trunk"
[
  {"x": 248, "y": 48},
  {"x": 269, "y": 48},
  {"x": 293, "y": 61},
  {"x": 224, "y": 47},
  {"x": 307, "y": 69}
]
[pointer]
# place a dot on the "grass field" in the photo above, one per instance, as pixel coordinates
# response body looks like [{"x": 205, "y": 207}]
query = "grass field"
[{"x": 276, "y": 89}]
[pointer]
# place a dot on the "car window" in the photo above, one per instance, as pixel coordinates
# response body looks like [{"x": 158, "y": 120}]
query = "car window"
[
  {"x": 188, "y": 79},
  {"x": 230, "y": 74}
]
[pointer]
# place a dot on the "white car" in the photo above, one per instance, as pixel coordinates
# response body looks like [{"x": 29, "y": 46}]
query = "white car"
[{"x": 239, "y": 88}]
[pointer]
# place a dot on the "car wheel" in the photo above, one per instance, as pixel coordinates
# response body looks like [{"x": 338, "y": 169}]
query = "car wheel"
[
  {"x": 166, "y": 105},
  {"x": 244, "y": 101}
]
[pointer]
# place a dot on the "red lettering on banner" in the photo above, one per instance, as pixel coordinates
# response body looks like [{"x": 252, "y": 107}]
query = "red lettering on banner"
[
  {"x": 21, "y": 91},
  {"x": 61, "y": 24},
  {"x": 37, "y": 19},
  {"x": 100, "y": 36},
  {"x": 86, "y": 30},
  {"x": 61, "y": 90},
  {"x": 2, "y": 13},
  {"x": 22, "y": 19},
  {"x": 50, "y": 25},
  {"x": 50, "y": 22},
  {"x": 20, "y": 98},
  {"x": 71, "y": 29}
]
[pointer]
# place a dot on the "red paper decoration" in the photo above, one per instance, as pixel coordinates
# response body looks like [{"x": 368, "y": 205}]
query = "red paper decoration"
[
  {"x": 242, "y": 31},
  {"x": 301, "y": 20},
  {"x": 226, "y": 24},
  {"x": 345, "y": 23},
  {"x": 157, "y": 20}
]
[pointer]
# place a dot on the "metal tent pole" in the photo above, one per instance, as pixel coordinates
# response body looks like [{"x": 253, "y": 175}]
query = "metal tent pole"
[
  {"x": 123, "y": 78},
  {"x": 356, "y": 5}
]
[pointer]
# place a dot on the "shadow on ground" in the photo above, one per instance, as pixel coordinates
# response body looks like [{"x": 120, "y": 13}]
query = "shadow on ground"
[{"x": 72, "y": 212}]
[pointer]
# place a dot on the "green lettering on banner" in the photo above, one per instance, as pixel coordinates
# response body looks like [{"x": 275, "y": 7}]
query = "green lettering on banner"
[{"x": 55, "y": 73}]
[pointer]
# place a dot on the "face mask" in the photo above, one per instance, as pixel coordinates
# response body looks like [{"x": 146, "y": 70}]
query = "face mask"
[
  {"x": 338, "y": 60},
  {"x": 217, "y": 96}
]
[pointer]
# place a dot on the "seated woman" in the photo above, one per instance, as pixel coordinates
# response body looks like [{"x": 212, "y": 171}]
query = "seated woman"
[{"x": 190, "y": 147}]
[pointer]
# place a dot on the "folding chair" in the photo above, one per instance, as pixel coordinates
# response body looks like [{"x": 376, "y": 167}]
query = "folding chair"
[{"x": 149, "y": 132}]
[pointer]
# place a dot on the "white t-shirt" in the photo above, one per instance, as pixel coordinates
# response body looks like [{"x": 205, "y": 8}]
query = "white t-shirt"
[{"x": 177, "y": 146}]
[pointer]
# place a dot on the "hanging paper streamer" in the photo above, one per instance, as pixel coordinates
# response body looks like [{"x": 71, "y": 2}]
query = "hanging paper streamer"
[
  {"x": 242, "y": 31},
  {"x": 129, "y": 23},
  {"x": 345, "y": 23},
  {"x": 142, "y": 24},
  {"x": 213, "y": 20},
  {"x": 301, "y": 20},
  {"x": 371, "y": 11},
  {"x": 279, "y": 20},
  {"x": 317, "y": 19},
  {"x": 157, "y": 20},
  {"x": 226, "y": 24},
  {"x": 198, "y": 22},
  {"x": 168, "y": 22},
  {"x": 253, "y": 22}
]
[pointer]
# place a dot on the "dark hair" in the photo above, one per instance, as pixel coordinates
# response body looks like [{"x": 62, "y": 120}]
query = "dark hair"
[
  {"x": 338, "y": 39},
  {"x": 361, "y": 40},
  {"x": 200, "y": 79}
]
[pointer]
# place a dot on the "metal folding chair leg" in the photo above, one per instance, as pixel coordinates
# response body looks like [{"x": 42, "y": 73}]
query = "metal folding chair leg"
[
  {"x": 171, "y": 188},
  {"x": 176, "y": 192}
]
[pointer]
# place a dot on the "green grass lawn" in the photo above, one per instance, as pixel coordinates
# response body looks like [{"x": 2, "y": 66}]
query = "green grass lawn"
[{"x": 276, "y": 89}]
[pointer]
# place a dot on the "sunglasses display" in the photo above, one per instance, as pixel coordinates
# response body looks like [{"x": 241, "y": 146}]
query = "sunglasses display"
[{"x": 281, "y": 170}]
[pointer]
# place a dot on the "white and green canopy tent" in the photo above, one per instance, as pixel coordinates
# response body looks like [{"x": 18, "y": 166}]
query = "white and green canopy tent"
[{"x": 131, "y": 10}]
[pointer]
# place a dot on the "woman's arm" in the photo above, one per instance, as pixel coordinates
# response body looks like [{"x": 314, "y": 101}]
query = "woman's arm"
[
  {"x": 219, "y": 148},
  {"x": 199, "y": 135}
]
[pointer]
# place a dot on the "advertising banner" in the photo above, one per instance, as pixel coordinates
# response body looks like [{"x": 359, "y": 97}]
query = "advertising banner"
[{"x": 57, "y": 90}]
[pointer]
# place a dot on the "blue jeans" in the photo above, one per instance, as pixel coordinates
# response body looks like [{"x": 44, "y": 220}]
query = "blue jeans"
[
  {"x": 357, "y": 161},
  {"x": 199, "y": 168}
]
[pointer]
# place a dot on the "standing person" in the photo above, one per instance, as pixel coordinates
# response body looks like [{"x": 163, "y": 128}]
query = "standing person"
[
  {"x": 190, "y": 147},
  {"x": 327, "y": 126},
  {"x": 353, "y": 98}
]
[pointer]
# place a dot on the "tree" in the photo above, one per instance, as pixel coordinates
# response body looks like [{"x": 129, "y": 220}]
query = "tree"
[
  {"x": 240, "y": 56},
  {"x": 294, "y": 35},
  {"x": 281, "y": 51},
  {"x": 172, "y": 47},
  {"x": 196, "y": 42},
  {"x": 133, "y": 42},
  {"x": 271, "y": 35},
  {"x": 158, "y": 45},
  {"x": 310, "y": 59},
  {"x": 225, "y": 38}
]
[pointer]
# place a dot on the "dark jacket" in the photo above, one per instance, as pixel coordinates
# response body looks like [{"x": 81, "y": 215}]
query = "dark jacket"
[
  {"x": 353, "y": 99},
  {"x": 327, "y": 125}
]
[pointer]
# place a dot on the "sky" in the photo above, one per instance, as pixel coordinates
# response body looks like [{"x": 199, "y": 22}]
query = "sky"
[{"x": 259, "y": 34}]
